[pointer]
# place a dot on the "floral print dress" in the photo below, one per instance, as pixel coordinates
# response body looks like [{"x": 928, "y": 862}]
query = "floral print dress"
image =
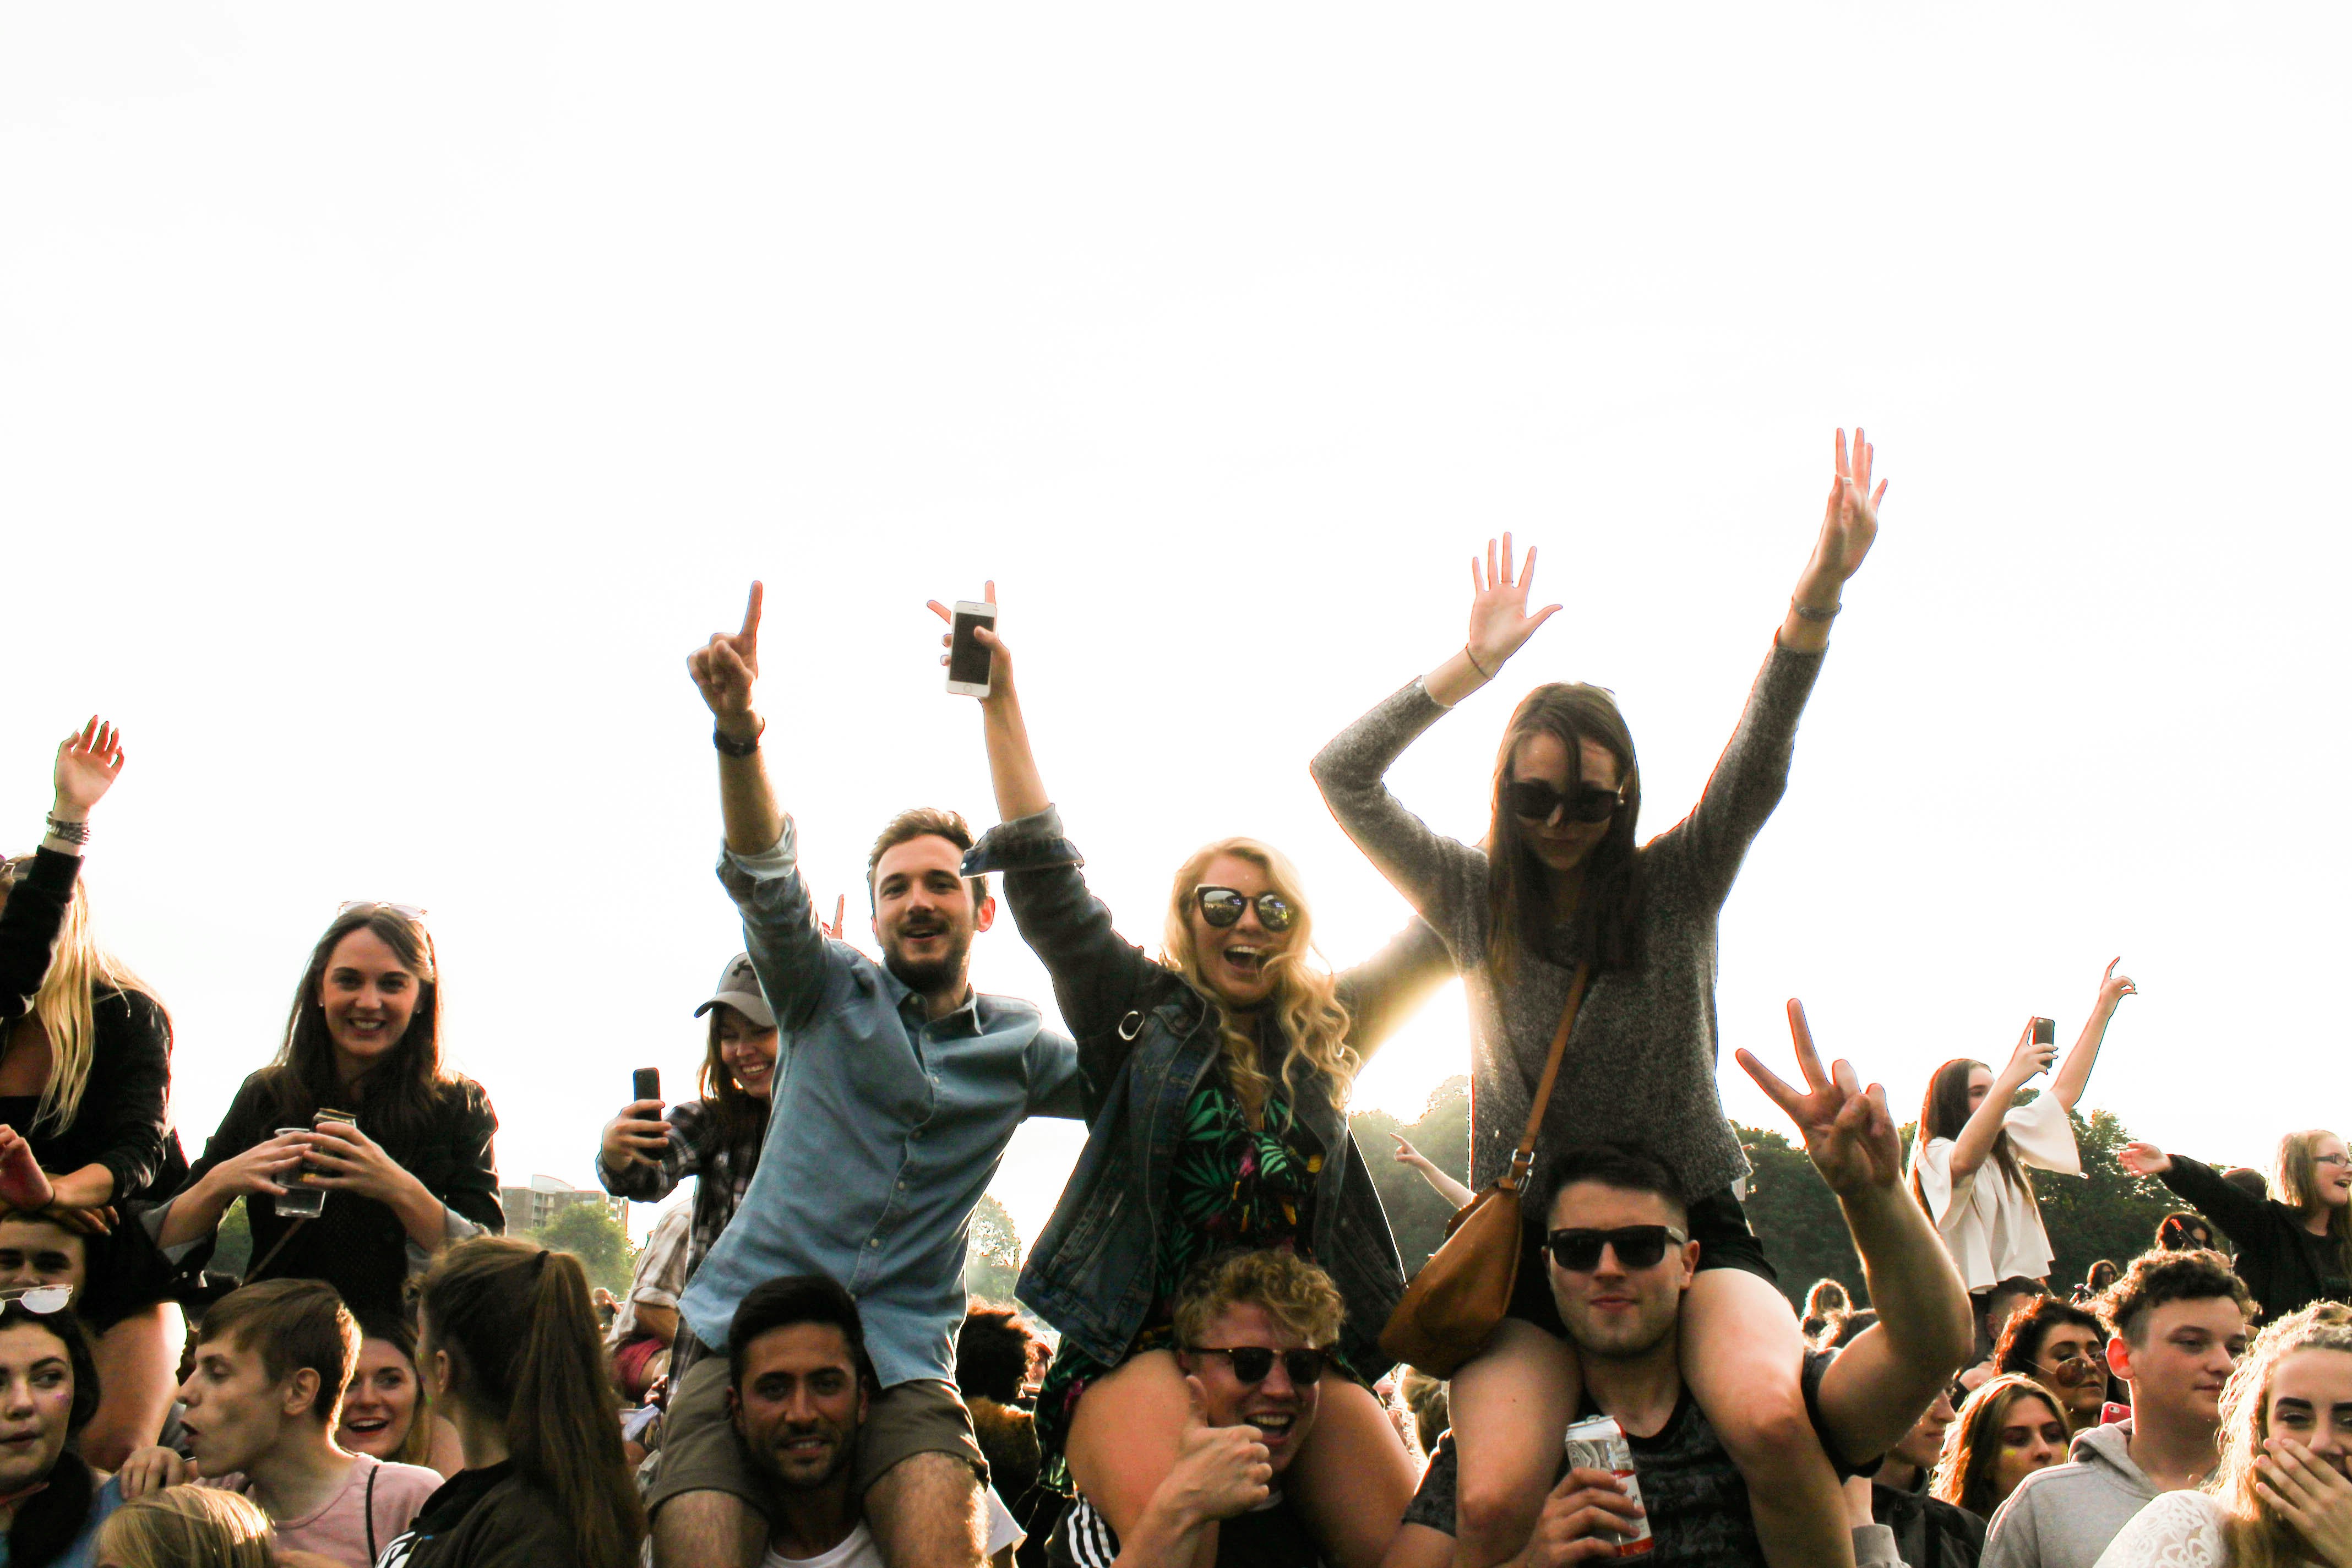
[{"x": 1232, "y": 1187}]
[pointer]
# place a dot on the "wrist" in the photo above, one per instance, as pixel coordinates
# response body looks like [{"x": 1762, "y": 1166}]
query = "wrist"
[
  {"x": 69, "y": 811},
  {"x": 742, "y": 728}
]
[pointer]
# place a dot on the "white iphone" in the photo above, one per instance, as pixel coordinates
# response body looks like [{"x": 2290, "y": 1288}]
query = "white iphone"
[{"x": 969, "y": 662}]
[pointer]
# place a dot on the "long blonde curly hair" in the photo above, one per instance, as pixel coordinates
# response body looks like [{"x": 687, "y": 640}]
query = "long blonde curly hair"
[
  {"x": 67, "y": 1004},
  {"x": 2258, "y": 1537},
  {"x": 1306, "y": 994}
]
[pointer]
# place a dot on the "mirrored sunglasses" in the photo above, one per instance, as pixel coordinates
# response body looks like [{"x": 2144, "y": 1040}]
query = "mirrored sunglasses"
[{"x": 1222, "y": 907}]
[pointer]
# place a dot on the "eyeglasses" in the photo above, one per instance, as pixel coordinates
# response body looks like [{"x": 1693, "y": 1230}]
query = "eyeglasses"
[
  {"x": 1636, "y": 1247},
  {"x": 1253, "y": 1364},
  {"x": 41, "y": 1298},
  {"x": 2078, "y": 1367},
  {"x": 411, "y": 911},
  {"x": 1222, "y": 907},
  {"x": 1532, "y": 800}
]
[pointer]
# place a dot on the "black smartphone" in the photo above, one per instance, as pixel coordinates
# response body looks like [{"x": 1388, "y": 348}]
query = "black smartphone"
[
  {"x": 645, "y": 1084},
  {"x": 2045, "y": 1031},
  {"x": 970, "y": 662}
]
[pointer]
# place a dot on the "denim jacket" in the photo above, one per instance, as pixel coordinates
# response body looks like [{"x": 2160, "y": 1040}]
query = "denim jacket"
[{"x": 1144, "y": 1038}]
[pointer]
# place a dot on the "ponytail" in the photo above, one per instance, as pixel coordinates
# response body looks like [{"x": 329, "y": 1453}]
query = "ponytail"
[{"x": 523, "y": 1347}]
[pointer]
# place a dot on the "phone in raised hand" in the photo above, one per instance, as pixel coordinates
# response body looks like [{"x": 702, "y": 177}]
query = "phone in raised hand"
[
  {"x": 645, "y": 1083},
  {"x": 970, "y": 662},
  {"x": 2045, "y": 1031}
]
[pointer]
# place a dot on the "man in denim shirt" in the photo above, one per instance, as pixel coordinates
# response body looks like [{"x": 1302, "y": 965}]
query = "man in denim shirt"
[{"x": 897, "y": 1089}]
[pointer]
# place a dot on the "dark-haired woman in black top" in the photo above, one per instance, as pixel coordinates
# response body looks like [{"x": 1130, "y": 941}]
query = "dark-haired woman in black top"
[{"x": 414, "y": 1172}]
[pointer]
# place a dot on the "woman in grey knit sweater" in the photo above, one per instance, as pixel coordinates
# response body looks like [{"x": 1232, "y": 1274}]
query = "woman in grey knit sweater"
[{"x": 1566, "y": 884}]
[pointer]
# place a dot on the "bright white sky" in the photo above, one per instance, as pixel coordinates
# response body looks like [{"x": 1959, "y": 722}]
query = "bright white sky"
[{"x": 390, "y": 397}]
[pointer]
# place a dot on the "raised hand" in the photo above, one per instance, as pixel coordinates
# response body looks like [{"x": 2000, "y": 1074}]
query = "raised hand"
[
  {"x": 635, "y": 1137},
  {"x": 88, "y": 762},
  {"x": 1850, "y": 521},
  {"x": 1850, "y": 1135},
  {"x": 1500, "y": 622},
  {"x": 2029, "y": 1061},
  {"x": 2114, "y": 987},
  {"x": 840, "y": 908},
  {"x": 2143, "y": 1159},
  {"x": 1000, "y": 669},
  {"x": 727, "y": 668}
]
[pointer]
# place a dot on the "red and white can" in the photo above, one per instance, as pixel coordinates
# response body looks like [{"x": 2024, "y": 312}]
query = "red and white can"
[{"x": 1598, "y": 1443}]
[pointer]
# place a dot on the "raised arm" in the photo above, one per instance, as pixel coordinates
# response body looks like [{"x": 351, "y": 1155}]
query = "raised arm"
[
  {"x": 1874, "y": 1391},
  {"x": 1973, "y": 1147},
  {"x": 2240, "y": 1215},
  {"x": 88, "y": 762},
  {"x": 761, "y": 869},
  {"x": 2075, "y": 1072},
  {"x": 1011, "y": 765},
  {"x": 1440, "y": 878},
  {"x": 1849, "y": 527}
]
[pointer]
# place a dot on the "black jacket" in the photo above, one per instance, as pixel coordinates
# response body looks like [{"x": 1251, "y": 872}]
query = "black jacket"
[
  {"x": 2281, "y": 1263},
  {"x": 359, "y": 1245}
]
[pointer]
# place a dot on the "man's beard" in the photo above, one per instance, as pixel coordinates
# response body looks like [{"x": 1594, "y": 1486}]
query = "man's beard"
[
  {"x": 927, "y": 979},
  {"x": 843, "y": 1453}
]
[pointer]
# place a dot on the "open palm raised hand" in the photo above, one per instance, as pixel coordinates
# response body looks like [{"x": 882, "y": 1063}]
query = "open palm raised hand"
[
  {"x": 88, "y": 762},
  {"x": 727, "y": 668},
  {"x": 1500, "y": 622},
  {"x": 1850, "y": 521},
  {"x": 1850, "y": 1135}
]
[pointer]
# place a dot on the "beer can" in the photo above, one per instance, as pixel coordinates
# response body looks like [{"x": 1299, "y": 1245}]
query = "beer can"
[{"x": 1598, "y": 1443}]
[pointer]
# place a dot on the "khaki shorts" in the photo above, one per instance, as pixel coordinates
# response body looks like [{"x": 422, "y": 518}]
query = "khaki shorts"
[{"x": 700, "y": 1451}]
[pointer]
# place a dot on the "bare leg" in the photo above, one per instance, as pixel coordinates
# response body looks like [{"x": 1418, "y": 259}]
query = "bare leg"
[
  {"x": 928, "y": 1511},
  {"x": 1742, "y": 1352},
  {"x": 1353, "y": 1479},
  {"x": 708, "y": 1529},
  {"x": 1510, "y": 1406},
  {"x": 1418, "y": 1546},
  {"x": 138, "y": 1362},
  {"x": 1124, "y": 1438}
]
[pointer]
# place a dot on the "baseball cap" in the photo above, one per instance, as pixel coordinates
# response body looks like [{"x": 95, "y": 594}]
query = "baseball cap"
[{"x": 739, "y": 987}]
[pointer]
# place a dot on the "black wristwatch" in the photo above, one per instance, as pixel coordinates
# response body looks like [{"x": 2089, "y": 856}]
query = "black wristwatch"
[{"x": 737, "y": 747}]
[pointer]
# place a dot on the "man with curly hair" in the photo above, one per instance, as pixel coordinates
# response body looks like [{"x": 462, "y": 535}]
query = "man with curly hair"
[{"x": 2177, "y": 1323}]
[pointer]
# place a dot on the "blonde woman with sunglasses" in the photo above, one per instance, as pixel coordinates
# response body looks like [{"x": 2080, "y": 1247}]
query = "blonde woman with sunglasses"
[{"x": 1217, "y": 1073}]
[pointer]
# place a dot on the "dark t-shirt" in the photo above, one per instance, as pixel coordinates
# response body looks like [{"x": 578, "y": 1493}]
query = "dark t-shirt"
[
  {"x": 1694, "y": 1495},
  {"x": 1269, "y": 1537}
]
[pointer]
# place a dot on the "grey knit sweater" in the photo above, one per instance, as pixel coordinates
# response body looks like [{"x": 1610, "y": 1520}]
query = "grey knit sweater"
[{"x": 1640, "y": 1061}]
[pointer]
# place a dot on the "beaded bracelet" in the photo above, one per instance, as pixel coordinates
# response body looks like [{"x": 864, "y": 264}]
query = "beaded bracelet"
[{"x": 69, "y": 832}]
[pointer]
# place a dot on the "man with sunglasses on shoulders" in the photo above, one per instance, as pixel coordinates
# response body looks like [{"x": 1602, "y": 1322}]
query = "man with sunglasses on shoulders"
[
  {"x": 1253, "y": 1331},
  {"x": 1619, "y": 1258}
]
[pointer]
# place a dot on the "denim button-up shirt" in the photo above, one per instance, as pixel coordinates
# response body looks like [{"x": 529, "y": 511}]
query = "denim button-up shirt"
[{"x": 886, "y": 1129}]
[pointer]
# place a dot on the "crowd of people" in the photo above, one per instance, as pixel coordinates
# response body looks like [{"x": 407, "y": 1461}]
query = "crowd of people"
[{"x": 1201, "y": 1370}]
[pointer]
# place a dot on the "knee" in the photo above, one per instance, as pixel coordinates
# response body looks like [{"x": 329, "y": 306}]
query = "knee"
[
  {"x": 1772, "y": 1435},
  {"x": 1495, "y": 1511}
]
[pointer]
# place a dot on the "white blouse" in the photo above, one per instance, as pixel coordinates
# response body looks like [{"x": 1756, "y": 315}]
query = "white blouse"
[
  {"x": 2179, "y": 1529},
  {"x": 1988, "y": 1220}
]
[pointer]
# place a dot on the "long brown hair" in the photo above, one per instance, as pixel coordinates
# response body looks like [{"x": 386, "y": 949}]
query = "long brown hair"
[
  {"x": 1605, "y": 927},
  {"x": 1306, "y": 994},
  {"x": 524, "y": 1350},
  {"x": 737, "y": 1115},
  {"x": 1972, "y": 1445},
  {"x": 1945, "y": 1114},
  {"x": 2294, "y": 1176},
  {"x": 396, "y": 1097}
]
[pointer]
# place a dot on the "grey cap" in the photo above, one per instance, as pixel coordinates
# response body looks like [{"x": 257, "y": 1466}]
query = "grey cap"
[{"x": 739, "y": 987}]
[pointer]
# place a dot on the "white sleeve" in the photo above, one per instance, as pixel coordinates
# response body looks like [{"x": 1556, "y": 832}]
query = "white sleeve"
[
  {"x": 2042, "y": 1136},
  {"x": 1933, "y": 1165},
  {"x": 1003, "y": 1529},
  {"x": 2179, "y": 1529}
]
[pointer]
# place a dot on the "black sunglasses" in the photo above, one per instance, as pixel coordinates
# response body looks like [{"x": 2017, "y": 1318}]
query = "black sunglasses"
[
  {"x": 1532, "y": 800},
  {"x": 1222, "y": 907},
  {"x": 1637, "y": 1245},
  {"x": 1253, "y": 1364}
]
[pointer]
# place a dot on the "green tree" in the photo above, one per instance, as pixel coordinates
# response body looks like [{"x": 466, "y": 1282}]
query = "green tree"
[
  {"x": 591, "y": 1231},
  {"x": 991, "y": 1264},
  {"x": 1417, "y": 1215}
]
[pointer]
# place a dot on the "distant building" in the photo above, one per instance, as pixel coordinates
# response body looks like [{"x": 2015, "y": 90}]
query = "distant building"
[{"x": 531, "y": 1207}]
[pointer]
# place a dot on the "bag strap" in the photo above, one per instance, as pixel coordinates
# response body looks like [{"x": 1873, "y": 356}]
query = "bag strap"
[{"x": 1523, "y": 1158}]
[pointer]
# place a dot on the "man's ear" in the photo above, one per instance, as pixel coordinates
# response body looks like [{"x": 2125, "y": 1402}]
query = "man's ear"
[
  {"x": 2119, "y": 1357},
  {"x": 985, "y": 915},
  {"x": 735, "y": 1410},
  {"x": 301, "y": 1390},
  {"x": 1690, "y": 1263}
]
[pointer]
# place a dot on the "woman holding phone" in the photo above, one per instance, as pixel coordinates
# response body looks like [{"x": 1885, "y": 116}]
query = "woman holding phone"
[
  {"x": 1216, "y": 1075},
  {"x": 358, "y": 1112},
  {"x": 1559, "y": 882}
]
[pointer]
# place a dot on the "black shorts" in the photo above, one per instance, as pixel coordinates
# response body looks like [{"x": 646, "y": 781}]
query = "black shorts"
[
  {"x": 127, "y": 1272},
  {"x": 1718, "y": 1223}
]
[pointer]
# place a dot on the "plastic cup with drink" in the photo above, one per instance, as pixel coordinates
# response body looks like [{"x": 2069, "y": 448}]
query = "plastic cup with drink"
[{"x": 301, "y": 1200}]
